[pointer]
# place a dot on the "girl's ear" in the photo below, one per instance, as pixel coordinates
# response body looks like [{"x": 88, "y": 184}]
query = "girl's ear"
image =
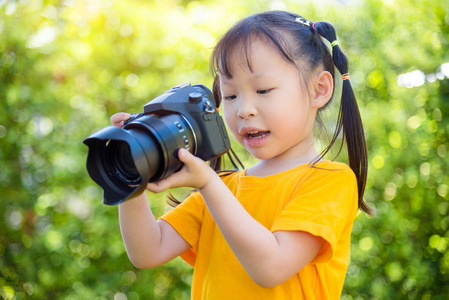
[{"x": 323, "y": 89}]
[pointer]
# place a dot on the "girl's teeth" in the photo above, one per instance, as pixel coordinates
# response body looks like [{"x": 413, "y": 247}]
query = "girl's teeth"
[{"x": 257, "y": 134}]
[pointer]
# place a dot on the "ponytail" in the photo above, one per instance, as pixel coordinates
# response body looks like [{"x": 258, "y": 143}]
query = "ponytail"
[{"x": 349, "y": 118}]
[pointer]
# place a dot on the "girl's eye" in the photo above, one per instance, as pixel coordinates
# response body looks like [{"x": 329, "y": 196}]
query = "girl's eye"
[
  {"x": 262, "y": 92},
  {"x": 229, "y": 97}
]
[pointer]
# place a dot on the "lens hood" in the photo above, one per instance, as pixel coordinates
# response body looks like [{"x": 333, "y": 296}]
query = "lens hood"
[{"x": 100, "y": 172}]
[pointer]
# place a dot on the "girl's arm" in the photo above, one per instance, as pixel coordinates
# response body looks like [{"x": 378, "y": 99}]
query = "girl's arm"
[
  {"x": 149, "y": 243},
  {"x": 269, "y": 258}
]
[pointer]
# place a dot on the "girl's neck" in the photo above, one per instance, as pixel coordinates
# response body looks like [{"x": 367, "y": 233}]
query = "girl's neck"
[{"x": 277, "y": 165}]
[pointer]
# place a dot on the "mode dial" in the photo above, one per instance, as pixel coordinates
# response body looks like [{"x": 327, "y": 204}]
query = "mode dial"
[{"x": 195, "y": 97}]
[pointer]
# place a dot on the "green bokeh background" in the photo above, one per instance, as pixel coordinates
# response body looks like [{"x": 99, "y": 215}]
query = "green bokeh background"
[{"x": 67, "y": 66}]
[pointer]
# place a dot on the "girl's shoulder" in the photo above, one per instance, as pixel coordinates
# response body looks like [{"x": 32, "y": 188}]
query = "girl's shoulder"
[
  {"x": 331, "y": 165},
  {"x": 332, "y": 169}
]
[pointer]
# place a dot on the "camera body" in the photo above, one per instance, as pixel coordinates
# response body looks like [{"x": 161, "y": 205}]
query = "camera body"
[
  {"x": 197, "y": 105},
  {"x": 145, "y": 150}
]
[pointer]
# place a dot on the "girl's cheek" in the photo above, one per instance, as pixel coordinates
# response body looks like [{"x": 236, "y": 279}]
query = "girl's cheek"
[
  {"x": 226, "y": 109},
  {"x": 229, "y": 121}
]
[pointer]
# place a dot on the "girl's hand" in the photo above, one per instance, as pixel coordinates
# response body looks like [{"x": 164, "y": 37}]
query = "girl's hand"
[
  {"x": 195, "y": 174},
  {"x": 119, "y": 119}
]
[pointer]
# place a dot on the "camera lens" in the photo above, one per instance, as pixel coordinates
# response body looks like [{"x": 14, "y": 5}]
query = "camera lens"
[
  {"x": 121, "y": 161},
  {"x": 145, "y": 150},
  {"x": 160, "y": 137}
]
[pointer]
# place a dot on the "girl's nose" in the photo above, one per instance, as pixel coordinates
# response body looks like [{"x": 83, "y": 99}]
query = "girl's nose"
[{"x": 246, "y": 110}]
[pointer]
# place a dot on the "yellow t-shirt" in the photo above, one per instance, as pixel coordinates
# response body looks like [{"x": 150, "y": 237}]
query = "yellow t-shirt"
[{"x": 320, "y": 200}]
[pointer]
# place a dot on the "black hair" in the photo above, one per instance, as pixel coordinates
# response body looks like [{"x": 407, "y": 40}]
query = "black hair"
[{"x": 300, "y": 43}]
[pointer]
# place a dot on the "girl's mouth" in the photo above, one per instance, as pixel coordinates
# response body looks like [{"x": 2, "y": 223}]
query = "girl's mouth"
[
  {"x": 255, "y": 138},
  {"x": 254, "y": 134}
]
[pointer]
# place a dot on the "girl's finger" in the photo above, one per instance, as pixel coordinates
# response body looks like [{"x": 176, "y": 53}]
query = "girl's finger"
[
  {"x": 119, "y": 118},
  {"x": 188, "y": 158},
  {"x": 162, "y": 185},
  {"x": 155, "y": 187},
  {"x": 184, "y": 155}
]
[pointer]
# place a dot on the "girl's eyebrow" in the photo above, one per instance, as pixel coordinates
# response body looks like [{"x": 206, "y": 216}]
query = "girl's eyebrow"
[
  {"x": 230, "y": 82},
  {"x": 265, "y": 74}
]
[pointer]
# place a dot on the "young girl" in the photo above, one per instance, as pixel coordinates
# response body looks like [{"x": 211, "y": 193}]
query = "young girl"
[{"x": 280, "y": 229}]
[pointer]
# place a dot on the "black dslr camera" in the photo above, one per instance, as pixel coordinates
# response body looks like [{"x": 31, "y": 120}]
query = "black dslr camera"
[{"x": 122, "y": 161}]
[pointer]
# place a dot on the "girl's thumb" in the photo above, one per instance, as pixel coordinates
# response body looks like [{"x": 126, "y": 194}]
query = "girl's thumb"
[{"x": 184, "y": 155}]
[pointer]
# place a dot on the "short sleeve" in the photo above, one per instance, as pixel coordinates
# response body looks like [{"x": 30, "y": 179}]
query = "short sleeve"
[
  {"x": 323, "y": 205},
  {"x": 187, "y": 219}
]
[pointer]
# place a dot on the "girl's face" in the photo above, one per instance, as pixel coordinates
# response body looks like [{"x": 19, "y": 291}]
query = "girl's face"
[{"x": 269, "y": 109}]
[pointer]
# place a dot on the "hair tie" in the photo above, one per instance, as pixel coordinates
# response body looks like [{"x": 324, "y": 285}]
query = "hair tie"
[
  {"x": 345, "y": 76},
  {"x": 313, "y": 27},
  {"x": 303, "y": 21},
  {"x": 334, "y": 43}
]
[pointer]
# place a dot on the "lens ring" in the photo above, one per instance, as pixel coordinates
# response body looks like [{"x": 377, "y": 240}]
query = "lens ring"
[{"x": 195, "y": 139}]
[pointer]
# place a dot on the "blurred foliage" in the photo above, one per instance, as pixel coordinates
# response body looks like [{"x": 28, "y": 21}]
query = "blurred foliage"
[{"x": 66, "y": 66}]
